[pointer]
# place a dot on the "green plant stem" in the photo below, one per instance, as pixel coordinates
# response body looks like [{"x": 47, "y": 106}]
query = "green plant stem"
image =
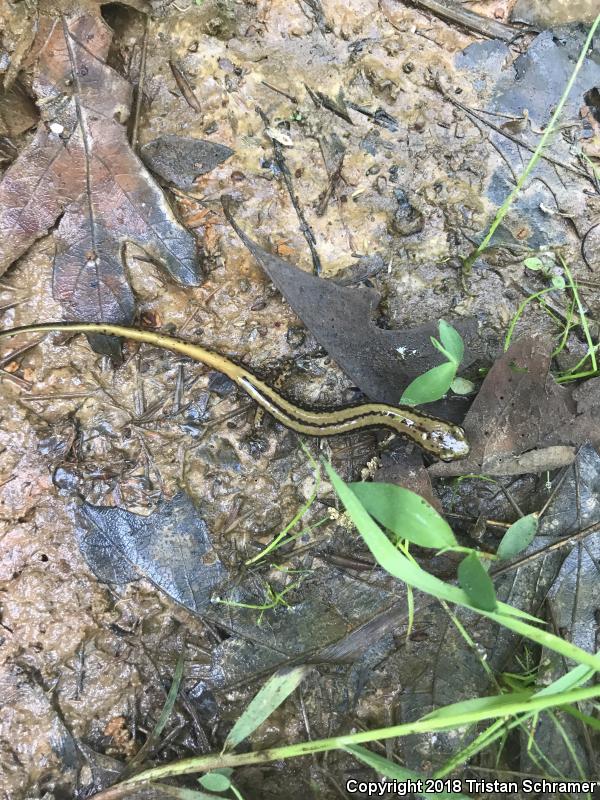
[
  {"x": 501, "y": 727},
  {"x": 520, "y": 310},
  {"x": 214, "y": 761},
  {"x": 582, "y": 316},
  {"x": 504, "y": 208},
  {"x": 292, "y": 524},
  {"x": 567, "y": 328},
  {"x": 588, "y": 374}
]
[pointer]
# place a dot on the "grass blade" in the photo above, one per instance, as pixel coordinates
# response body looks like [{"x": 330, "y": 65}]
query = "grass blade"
[
  {"x": 504, "y": 208},
  {"x": 271, "y": 695},
  {"x": 388, "y": 557}
]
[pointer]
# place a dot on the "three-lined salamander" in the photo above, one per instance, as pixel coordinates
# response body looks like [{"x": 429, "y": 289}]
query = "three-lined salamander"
[{"x": 440, "y": 438}]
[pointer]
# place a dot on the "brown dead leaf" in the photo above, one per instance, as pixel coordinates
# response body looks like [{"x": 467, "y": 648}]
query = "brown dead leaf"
[
  {"x": 520, "y": 409},
  {"x": 79, "y": 165}
]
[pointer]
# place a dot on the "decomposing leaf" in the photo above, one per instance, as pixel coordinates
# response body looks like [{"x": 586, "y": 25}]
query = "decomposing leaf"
[
  {"x": 526, "y": 90},
  {"x": 171, "y": 547},
  {"x": 179, "y": 160},
  {"x": 543, "y": 14},
  {"x": 79, "y": 164},
  {"x": 573, "y": 599},
  {"x": 380, "y": 362},
  {"x": 521, "y": 415}
]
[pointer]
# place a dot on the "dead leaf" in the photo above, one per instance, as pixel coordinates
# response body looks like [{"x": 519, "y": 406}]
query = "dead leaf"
[
  {"x": 179, "y": 160},
  {"x": 380, "y": 362},
  {"x": 573, "y": 602},
  {"x": 521, "y": 409},
  {"x": 79, "y": 164},
  {"x": 171, "y": 547}
]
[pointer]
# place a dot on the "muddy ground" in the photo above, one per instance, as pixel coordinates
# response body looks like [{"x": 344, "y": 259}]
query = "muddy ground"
[{"x": 82, "y": 661}]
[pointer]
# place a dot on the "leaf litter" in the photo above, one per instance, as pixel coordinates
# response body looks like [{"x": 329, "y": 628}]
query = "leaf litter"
[
  {"x": 292, "y": 632},
  {"x": 380, "y": 362},
  {"x": 79, "y": 171},
  {"x": 522, "y": 420}
]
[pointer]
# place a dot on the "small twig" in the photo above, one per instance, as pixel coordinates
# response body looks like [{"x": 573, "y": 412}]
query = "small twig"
[
  {"x": 34, "y": 398},
  {"x": 19, "y": 351},
  {"x": 287, "y": 178},
  {"x": 19, "y": 381},
  {"x": 178, "y": 395},
  {"x": 334, "y": 179},
  {"x": 140, "y": 86},
  {"x": 184, "y": 87},
  {"x": 290, "y": 97},
  {"x": 468, "y": 19}
]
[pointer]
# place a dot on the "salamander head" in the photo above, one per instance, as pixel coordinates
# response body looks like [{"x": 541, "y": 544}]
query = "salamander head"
[{"x": 451, "y": 442}]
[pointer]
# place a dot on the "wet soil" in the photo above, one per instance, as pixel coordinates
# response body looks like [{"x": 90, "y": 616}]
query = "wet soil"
[{"x": 81, "y": 661}]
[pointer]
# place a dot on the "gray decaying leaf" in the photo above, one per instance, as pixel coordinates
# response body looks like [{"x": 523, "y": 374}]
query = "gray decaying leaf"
[
  {"x": 79, "y": 164},
  {"x": 544, "y": 13},
  {"x": 330, "y": 623},
  {"x": 179, "y": 160},
  {"x": 171, "y": 547},
  {"x": 526, "y": 90},
  {"x": 380, "y": 362}
]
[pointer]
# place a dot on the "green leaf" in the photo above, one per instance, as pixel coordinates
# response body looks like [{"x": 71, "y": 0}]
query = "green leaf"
[
  {"x": 519, "y": 536},
  {"x": 269, "y": 697},
  {"x": 558, "y": 282},
  {"x": 394, "y": 771},
  {"x": 405, "y": 513},
  {"x": 430, "y": 386},
  {"x": 476, "y": 583},
  {"x": 478, "y": 704},
  {"x": 216, "y": 781},
  {"x": 391, "y": 559},
  {"x": 534, "y": 263},
  {"x": 452, "y": 341},
  {"x": 462, "y": 386},
  {"x": 439, "y": 346}
]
